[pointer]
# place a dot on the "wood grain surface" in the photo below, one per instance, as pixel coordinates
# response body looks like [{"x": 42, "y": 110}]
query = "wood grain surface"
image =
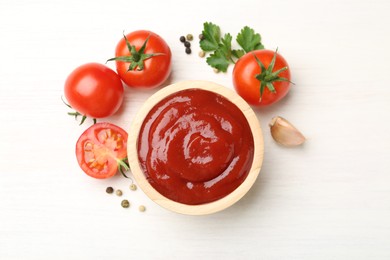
[{"x": 329, "y": 199}]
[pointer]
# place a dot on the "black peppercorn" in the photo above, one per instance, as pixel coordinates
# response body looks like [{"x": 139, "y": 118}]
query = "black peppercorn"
[
  {"x": 188, "y": 50},
  {"x": 187, "y": 44},
  {"x": 109, "y": 190},
  {"x": 182, "y": 38},
  {"x": 201, "y": 36}
]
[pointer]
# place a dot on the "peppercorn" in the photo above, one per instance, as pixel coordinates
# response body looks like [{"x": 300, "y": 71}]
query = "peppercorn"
[
  {"x": 201, "y": 36},
  {"x": 133, "y": 187},
  {"x": 187, "y": 44},
  {"x": 118, "y": 193},
  {"x": 188, "y": 50},
  {"x": 125, "y": 203},
  {"x": 202, "y": 54},
  {"x": 189, "y": 37},
  {"x": 109, "y": 190},
  {"x": 141, "y": 208},
  {"x": 182, "y": 38},
  {"x": 216, "y": 70}
]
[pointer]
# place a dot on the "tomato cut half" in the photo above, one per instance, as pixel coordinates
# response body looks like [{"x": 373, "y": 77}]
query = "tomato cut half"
[{"x": 100, "y": 149}]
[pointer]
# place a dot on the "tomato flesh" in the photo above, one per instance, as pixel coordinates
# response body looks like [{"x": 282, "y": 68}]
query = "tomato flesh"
[{"x": 99, "y": 148}]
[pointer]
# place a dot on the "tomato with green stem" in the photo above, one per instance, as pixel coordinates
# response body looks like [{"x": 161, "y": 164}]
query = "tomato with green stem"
[
  {"x": 143, "y": 59},
  {"x": 262, "y": 77},
  {"x": 102, "y": 150},
  {"x": 93, "y": 90}
]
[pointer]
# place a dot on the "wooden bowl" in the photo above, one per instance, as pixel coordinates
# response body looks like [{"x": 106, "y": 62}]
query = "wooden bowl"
[{"x": 214, "y": 206}]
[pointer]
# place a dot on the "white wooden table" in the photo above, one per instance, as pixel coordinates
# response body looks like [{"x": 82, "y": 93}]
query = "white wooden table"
[{"x": 329, "y": 199}]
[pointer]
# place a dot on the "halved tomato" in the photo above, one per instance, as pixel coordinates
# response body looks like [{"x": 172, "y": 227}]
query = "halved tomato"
[{"x": 101, "y": 150}]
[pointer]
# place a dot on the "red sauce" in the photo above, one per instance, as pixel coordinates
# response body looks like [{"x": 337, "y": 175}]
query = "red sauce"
[{"x": 195, "y": 146}]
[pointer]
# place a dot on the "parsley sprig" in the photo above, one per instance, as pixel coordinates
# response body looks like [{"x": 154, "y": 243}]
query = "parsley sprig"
[{"x": 222, "y": 54}]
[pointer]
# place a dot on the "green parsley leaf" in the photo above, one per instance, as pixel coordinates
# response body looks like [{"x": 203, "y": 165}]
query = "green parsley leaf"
[
  {"x": 221, "y": 48},
  {"x": 226, "y": 46},
  {"x": 212, "y": 37},
  {"x": 218, "y": 60},
  {"x": 222, "y": 57},
  {"x": 249, "y": 40},
  {"x": 238, "y": 53}
]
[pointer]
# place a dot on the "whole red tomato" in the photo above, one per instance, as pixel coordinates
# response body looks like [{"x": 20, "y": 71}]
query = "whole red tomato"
[
  {"x": 261, "y": 77},
  {"x": 143, "y": 59},
  {"x": 102, "y": 150},
  {"x": 94, "y": 90}
]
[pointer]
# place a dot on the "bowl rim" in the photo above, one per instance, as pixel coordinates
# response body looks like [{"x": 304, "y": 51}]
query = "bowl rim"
[{"x": 211, "y": 207}]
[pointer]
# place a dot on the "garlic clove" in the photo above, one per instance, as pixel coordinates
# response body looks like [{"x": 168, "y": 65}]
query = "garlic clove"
[{"x": 284, "y": 133}]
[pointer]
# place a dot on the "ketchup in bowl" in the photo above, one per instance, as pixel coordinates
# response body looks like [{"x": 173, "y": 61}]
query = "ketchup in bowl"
[{"x": 195, "y": 147}]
